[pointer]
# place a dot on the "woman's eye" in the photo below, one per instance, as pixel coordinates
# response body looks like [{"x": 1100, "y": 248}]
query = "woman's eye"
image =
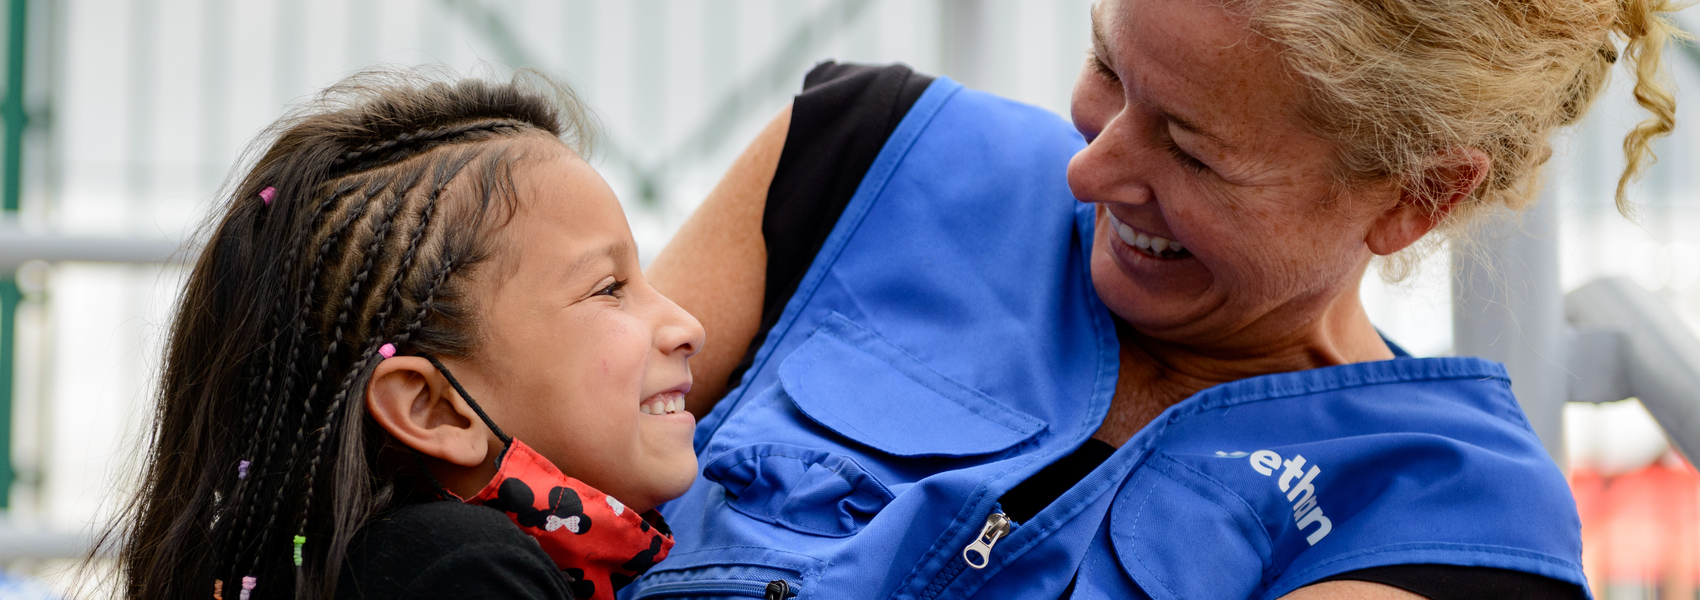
[
  {"x": 1186, "y": 160},
  {"x": 1102, "y": 68},
  {"x": 612, "y": 288}
]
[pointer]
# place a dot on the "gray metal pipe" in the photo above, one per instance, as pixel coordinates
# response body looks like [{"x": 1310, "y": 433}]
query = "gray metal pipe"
[
  {"x": 1509, "y": 308},
  {"x": 40, "y": 544},
  {"x": 18, "y": 247},
  {"x": 1657, "y": 356}
]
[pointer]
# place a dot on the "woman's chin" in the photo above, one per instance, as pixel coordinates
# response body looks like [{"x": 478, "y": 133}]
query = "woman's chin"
[{"x": 1149, "y": 295}]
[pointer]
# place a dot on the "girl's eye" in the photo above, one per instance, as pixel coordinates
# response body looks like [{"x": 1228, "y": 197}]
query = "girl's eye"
[
  {"x": 612, "y": 288},
  {"x": 1186, "y": 160}
]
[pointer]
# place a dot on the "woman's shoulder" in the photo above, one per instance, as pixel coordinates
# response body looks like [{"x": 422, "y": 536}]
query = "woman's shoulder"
[
  {"x": 1409, "y": 461},
  {"x": 447, "y": 550}
]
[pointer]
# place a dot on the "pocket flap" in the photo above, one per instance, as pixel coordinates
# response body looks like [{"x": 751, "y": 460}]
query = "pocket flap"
[
  {"x": 804, "y": 489},
  {"x": 1181, "y": 534},
  {"x": 854, "y": 382}
]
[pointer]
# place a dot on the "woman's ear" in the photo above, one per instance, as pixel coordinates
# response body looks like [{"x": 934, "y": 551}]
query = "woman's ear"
[
  {"x": 1424, "y": 203},
  {"x": 411, "y": 400}
]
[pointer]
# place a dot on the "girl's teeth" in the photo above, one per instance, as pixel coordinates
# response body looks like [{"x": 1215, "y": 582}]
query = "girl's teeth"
[{"x": 662, "y": 407}]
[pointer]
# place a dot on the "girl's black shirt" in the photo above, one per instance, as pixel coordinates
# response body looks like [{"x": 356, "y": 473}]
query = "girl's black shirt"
[
  {"x": 448, "y": 551},
  {"x": 839, "y": 123}
]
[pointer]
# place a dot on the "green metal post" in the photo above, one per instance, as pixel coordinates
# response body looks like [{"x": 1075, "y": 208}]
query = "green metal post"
[
  {"x": 9, "y": 299},
  {"x": 12, "y": 109},
  {"x": 12, "y": 113}
]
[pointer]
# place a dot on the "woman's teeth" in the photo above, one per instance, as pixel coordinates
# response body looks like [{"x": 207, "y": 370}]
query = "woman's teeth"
[
  {"x": 663, "y": 404},
  {"x": 1152, "y": 245}
]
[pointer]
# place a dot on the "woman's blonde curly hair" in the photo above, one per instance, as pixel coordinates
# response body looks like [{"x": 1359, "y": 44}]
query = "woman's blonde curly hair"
[{"x": 1400, "y": 85}]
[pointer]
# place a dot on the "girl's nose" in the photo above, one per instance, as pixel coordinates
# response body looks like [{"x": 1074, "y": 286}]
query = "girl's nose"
[{"x": 680, "y": 333}]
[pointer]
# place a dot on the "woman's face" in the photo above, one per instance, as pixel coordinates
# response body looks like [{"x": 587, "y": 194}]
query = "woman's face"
[
  {"x": 581, "y": 359},
  {"x": 1219, "y": 223}
]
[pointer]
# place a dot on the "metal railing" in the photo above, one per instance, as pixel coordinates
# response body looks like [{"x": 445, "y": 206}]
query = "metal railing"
[{"x": 1516, "y": 313}]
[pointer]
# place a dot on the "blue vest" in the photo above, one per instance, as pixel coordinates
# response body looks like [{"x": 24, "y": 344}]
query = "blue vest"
[{"x": 947, "y": 344}]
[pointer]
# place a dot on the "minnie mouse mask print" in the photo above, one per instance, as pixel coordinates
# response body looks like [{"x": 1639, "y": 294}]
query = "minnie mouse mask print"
[{"x": 591, "y": 536}]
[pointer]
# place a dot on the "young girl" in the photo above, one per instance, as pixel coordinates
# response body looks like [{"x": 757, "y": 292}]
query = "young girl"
[{"x": 416, "y": 358}]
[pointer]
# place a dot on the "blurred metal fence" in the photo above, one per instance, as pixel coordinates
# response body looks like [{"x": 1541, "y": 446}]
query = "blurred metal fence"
[{"x": 122, "y": 117}]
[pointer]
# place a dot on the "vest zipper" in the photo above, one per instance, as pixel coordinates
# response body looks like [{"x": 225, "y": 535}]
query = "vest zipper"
[
  {"x": 978, "y": 554},
  {"x": 740, "y": 589},
  {"x": 997, "y": 526}
]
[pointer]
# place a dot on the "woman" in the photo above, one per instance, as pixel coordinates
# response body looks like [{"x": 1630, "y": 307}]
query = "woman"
[{"x": 956, "y": 382}]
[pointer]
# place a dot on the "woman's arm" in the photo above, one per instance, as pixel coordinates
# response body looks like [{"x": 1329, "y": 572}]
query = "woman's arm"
[
  {"x": 716, "y": 266},
  {"x": 1350, "y": 590}
]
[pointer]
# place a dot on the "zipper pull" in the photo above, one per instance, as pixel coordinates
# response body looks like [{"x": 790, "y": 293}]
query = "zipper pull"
[
  {"x": 997, "y": 526},
  {"x": 778, "y": 589}
]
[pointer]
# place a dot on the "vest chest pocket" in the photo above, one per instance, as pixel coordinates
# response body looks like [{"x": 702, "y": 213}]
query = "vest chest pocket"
[
  {"x": 850, "y": 380},
  {"x": 1181, "y": 534},
  {"x": 853, "y": 418}
]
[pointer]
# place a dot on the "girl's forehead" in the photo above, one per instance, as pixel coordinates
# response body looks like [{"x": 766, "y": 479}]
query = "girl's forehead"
[{"x": 567, "y": 210}]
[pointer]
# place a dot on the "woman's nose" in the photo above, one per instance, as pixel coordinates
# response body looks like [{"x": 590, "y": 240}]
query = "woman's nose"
[{"x": 1108, "y": 169}]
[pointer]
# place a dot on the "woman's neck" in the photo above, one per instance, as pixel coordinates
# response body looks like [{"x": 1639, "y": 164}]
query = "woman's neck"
[{"x": 1157, "y": 374}]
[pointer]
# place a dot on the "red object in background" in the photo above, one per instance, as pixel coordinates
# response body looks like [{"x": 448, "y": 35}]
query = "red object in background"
[{"x": 1641, "y": 530}]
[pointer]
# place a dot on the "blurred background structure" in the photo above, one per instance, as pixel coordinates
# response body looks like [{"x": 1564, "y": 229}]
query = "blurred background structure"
[{"x": 120, "y": 120}]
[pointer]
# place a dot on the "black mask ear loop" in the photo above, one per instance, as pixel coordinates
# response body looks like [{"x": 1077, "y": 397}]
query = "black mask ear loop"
[{"x": 507, "y": 442}]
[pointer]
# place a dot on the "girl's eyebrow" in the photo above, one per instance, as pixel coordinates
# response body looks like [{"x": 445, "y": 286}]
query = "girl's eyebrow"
[{"x": 616, "y": 252}]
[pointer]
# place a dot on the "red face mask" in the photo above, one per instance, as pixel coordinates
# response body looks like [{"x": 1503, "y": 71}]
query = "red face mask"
[{"x": 592, "y": 537}]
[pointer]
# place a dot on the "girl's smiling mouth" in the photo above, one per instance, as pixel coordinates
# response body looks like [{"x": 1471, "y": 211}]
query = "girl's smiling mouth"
[{"x": 668, "y": 402}]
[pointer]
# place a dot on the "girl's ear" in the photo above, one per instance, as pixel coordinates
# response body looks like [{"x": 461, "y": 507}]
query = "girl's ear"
[
  {"x": 1421, "y": 207},
  {"x": 411, "y": 400}
]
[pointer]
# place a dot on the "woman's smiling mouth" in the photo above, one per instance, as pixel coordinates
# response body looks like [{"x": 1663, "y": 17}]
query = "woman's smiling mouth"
[{"x": 1150, "y": 245}]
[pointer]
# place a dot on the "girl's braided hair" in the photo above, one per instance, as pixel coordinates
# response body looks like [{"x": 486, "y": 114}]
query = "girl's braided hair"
[{"x": 382, "y": 197}]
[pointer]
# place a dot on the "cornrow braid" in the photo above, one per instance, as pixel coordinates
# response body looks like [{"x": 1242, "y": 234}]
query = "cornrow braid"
[
  {"x": 440, "y": 181},
  {"x": 354, "y": 213},
  {"x": 372, "y": 250},
  {"x": 268, "y": 357},
  {"x": 408, "y": 144},
  {"x": 297, "y": 326},
  {"x": 426, "y": 301}
]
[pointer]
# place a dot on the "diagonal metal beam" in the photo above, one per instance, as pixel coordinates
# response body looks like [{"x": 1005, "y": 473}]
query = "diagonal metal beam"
[
  {"x": 493, "y": 28},
  {"x": 776, "y": 75}
]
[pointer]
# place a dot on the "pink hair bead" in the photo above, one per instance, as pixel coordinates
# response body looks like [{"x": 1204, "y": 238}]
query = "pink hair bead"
[
  {"x": 387, "y": 350},
  {"x": 267, "y": 195},
  {"x": 248, "y": 582}
]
